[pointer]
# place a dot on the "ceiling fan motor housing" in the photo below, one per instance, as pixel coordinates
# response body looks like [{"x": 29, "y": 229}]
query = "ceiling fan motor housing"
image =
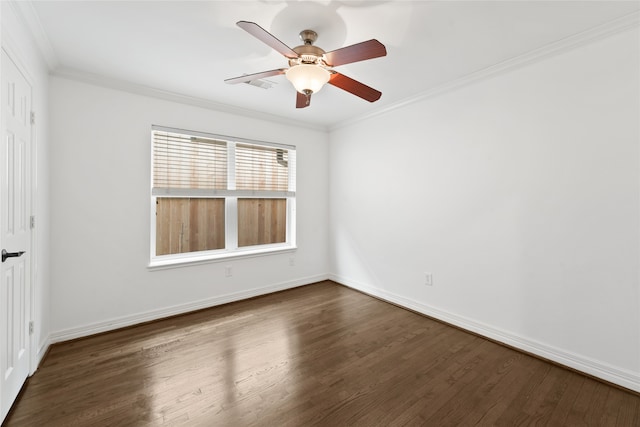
[{"x": 307, "y": 54}]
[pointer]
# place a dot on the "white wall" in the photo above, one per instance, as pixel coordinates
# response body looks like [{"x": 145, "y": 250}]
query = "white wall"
[
  {"x": 520, "y": 193},
  {"x": 17, "y": 41},
  {"x": 100, "y": 180}
]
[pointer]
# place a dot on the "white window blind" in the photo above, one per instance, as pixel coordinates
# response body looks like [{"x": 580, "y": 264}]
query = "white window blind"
[
  {"x": 188, "y": 162},
  {"x": 188, "y": 165},
  {"x": 262, "y": 168}
]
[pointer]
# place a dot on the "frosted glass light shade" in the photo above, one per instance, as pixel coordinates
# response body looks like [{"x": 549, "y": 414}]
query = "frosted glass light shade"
[{"x": 307, "y": 77}]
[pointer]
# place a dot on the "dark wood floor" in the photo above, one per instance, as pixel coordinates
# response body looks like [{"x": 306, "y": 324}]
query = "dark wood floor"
[{"x": 317, "y": 355}]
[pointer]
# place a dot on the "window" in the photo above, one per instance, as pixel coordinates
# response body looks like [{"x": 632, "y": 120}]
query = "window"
[{"x": 215, "y": 197}]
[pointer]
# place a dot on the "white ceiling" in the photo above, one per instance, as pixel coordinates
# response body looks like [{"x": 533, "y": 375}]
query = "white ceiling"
[{"x": 189, "y": 48}]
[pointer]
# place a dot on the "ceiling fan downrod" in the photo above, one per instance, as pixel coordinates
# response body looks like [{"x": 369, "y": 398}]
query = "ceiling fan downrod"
[{"x": 308, "y": 37}]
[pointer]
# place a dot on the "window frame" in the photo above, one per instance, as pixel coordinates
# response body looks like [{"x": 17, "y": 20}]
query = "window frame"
[{"x": 231, "y": 196}]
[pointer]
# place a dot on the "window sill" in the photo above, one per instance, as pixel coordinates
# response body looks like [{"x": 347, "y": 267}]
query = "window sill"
[{"x": 176, "y": 262}]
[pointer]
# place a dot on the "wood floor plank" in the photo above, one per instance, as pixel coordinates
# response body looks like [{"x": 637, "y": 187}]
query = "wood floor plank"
[
  {"x": 628, "y": 410},
  {"x": 477, "y": 397},
  {"x": 316, "y": 355}
]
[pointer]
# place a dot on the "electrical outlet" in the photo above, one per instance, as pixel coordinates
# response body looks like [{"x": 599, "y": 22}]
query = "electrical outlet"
[
  {"x": 428, "y": 279},
  {"x": 292, "y": 261},
  {"x": 228, "y": 272}
]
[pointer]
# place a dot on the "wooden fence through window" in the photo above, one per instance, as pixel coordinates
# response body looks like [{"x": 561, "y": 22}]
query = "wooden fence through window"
[{"x": 198, "y": 224}]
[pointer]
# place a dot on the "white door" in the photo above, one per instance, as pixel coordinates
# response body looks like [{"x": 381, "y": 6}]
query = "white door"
[{"x": 15, "y": 235}]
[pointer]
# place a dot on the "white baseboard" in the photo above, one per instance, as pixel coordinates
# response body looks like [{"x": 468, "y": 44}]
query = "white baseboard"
[
  {"x": 121, "y": 322},
  {"x": 38, "y": 355},
  {"x": 621, "y": 377},
  {"x": 42, "y": 351}
]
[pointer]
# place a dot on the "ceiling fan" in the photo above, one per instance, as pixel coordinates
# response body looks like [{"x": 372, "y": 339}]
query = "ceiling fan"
[{"x": 311, "y": 67}]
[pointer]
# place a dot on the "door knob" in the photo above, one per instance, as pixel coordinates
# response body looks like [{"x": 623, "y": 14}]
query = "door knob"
[{"x": 6, "y": 254}]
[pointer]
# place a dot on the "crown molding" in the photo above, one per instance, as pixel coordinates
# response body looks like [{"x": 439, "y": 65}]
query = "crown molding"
[
  {"x": 99, "y": 80},
  {"x": 27, "y": 13},
  {"x": 600, "y": 32}
]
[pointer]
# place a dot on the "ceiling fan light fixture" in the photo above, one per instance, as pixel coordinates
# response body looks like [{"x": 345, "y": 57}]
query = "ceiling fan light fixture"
[{"x": 307, "y": 77}]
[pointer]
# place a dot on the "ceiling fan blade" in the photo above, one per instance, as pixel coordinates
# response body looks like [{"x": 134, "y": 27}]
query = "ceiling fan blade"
[
  {"x": 255, "y": 76},
  {"x": 302, "y": 100},
  {"x": 354, "y": 53},
  {"x": 354, "y": 87},
  {"x": 266, "y": 37}
]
